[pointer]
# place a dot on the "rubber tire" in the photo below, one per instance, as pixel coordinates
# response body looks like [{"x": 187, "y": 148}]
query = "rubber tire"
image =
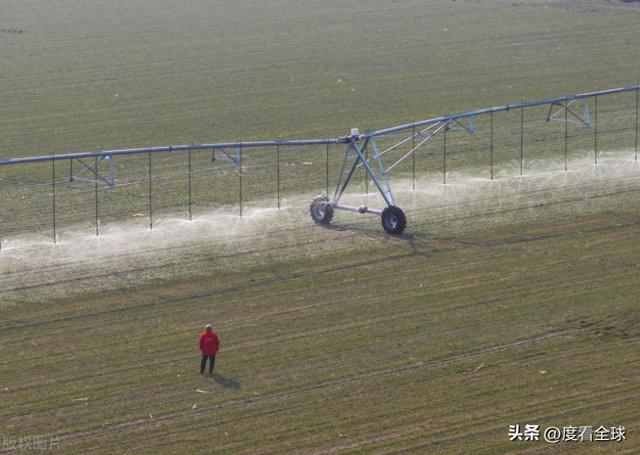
[
  {"x": 321, "y": 210},
  {"x": 393, "y": 220}
]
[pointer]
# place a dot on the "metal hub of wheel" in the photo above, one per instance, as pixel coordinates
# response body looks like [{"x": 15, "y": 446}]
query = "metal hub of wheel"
[
  {"x": 392, "y": 221},
  {"x": 319, "y": 210}
]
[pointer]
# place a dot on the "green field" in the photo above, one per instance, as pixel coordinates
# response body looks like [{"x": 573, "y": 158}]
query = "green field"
[{"x": 506, "y": 302}]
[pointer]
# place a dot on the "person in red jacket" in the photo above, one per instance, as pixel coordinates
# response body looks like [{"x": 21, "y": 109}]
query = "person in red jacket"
[{"x": 209, "y": 345}]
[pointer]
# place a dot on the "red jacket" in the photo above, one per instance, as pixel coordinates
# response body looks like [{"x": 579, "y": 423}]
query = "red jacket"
[{"x": 209, "y": 343}]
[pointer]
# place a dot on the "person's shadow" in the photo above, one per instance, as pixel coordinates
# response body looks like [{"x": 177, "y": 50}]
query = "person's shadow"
[{"x": 229, "y": 383}]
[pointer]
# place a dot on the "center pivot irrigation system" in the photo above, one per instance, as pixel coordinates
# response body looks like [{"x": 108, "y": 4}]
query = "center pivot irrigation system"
[{"x": 362, "y": 151}]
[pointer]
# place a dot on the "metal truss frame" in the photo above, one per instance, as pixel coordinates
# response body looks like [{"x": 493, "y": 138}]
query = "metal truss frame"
[
  {"x": 362, "y": 150},
  {"x": 237, "y": 159},
  {"x": 562, "y": 106},
  {"x": 93, "y": 169}
]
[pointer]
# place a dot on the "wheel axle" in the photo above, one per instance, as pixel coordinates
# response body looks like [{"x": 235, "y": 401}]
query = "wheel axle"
[{"x": 392, "y": 218}]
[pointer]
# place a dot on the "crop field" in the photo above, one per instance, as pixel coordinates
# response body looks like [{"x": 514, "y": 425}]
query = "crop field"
[{"x": 506, "y": 301}]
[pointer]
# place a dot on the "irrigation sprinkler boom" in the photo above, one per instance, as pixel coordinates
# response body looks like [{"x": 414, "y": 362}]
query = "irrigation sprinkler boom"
[
  {"x": 392, "y": 217},
  {"x": 363, "y": 151}
]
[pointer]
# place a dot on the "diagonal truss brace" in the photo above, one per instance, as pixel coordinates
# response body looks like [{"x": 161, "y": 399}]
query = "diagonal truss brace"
[
  {"x": 379, "y": 177},
  {"x": 374, "y": 166},
  {"x": 457, "y": 125},
  {"x": 427, "y": 137},
  {"x": 424, "y": 136},
  {"x": 92, "y": 170},
  {"x": 570, "y": 116},
  {"x": 225, "y": 154}
]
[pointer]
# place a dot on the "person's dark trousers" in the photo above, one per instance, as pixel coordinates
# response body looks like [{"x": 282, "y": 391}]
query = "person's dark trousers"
[{"x": 203, "y": 363}]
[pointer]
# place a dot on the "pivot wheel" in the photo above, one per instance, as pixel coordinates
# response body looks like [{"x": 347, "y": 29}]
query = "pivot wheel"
[
  {"x": 393, "y": 220},
  {"x": 321, "y": 210}
]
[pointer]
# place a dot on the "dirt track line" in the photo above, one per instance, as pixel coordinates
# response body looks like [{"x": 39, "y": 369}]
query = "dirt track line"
[
  {"x": 407, "y": 429},
  {"x": 329, "y": 383},
  {"x": 276, "y": 312},
  {"x": 247, "y": 285},
  {"x": 191, "y": 260},
  {"x": 169, "y": 262},
  {"x": 564, "y": 189},
  {"x": 210, "y": 293},
  {"x": 514, "y": 210},
  {"x": 240, "y": 239},
  {"x": 546, "y": 446},
  {"x": 248, "y": 344}
]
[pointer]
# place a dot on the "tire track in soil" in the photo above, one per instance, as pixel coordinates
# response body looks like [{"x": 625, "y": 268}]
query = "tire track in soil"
[
  {"x": 248, "y": 285},
  {"x": 201, "y": 257},
  {"x": 277, "y": 312},
  {"x": 408, "y": 430},
  {"x": 540, "y": 417},
  {"x": 180, "y": 357}
]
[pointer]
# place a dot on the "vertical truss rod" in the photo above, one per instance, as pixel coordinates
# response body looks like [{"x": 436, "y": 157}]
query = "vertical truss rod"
[
  {"x": 389, "y": 200},
  {"x": 352, "y": 146},
  {"x": 372, "y": 174}
]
